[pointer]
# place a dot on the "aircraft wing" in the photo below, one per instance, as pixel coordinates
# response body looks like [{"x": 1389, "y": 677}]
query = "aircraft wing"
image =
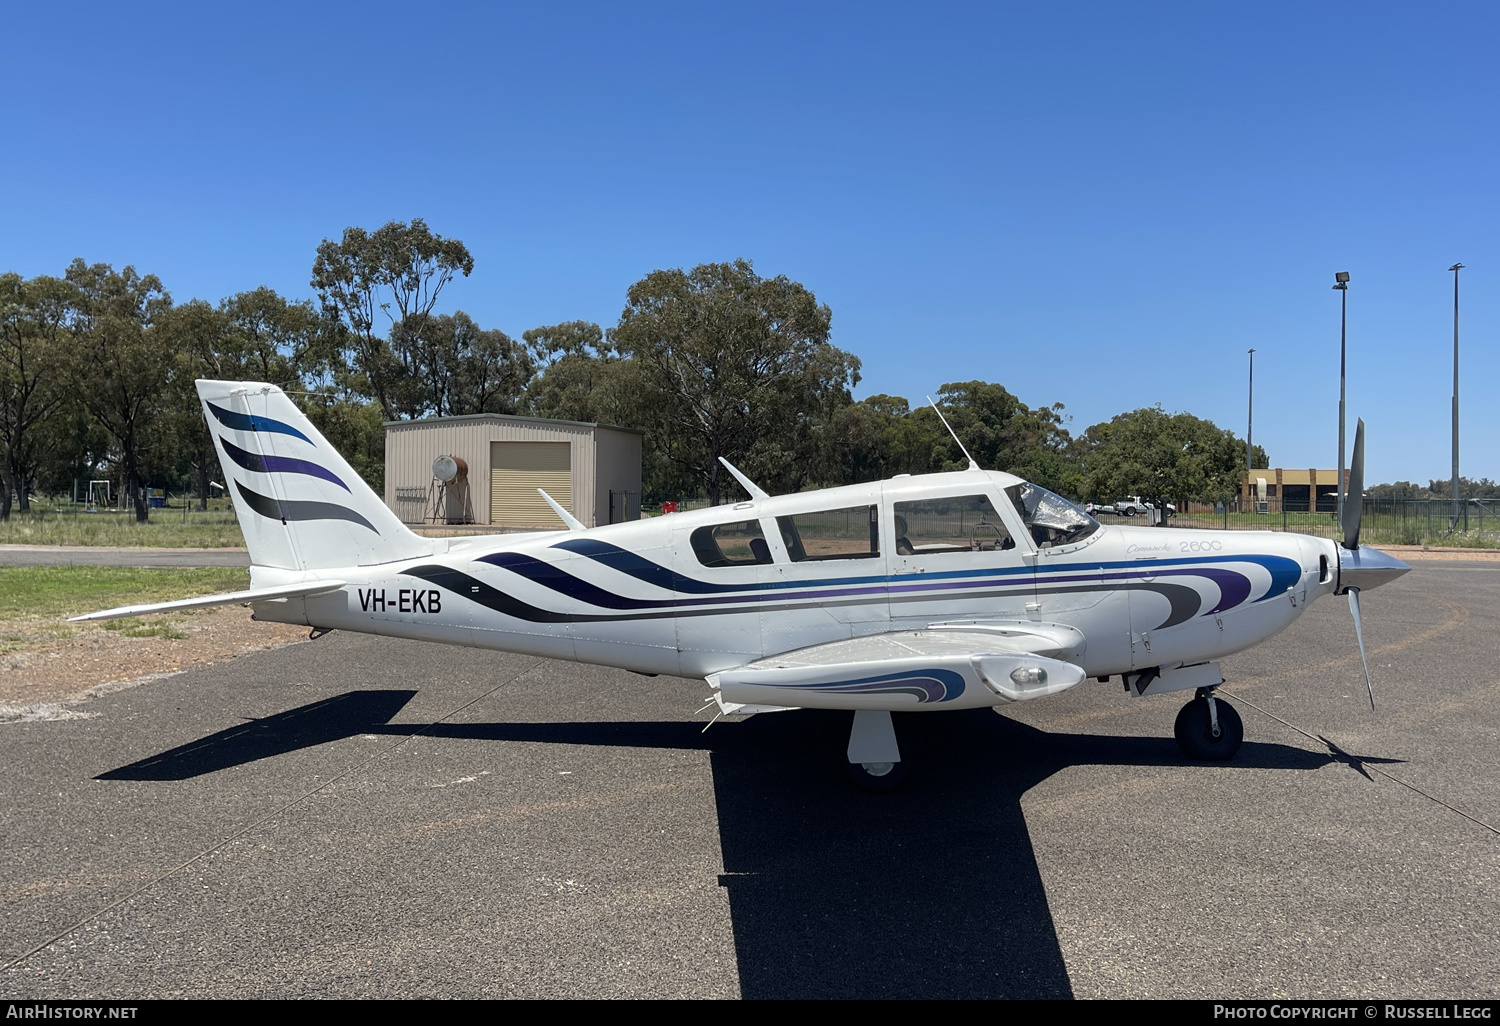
[
  {"x": 946, "y": 666},
  {"x": 224, "y": 599}
]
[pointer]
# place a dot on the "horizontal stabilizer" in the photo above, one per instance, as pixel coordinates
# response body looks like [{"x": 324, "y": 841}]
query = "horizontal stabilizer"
[
  {"x": 226, "y": 599},
  {"x": 905, "y": 670}
]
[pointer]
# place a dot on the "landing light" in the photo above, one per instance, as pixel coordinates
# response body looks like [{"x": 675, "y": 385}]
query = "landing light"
[{"x": 1029, "y": 675}]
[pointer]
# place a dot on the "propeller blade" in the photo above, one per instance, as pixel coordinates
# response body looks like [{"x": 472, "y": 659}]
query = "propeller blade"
[
  {"x": 1354, "y": 498},
  {"x": 1359, "y": 633}
]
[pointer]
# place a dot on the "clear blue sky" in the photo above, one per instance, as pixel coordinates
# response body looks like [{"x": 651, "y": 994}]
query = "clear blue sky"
[{"x": 1099, "y": 204}]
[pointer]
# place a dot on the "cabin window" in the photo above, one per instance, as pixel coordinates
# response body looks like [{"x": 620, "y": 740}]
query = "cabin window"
[
  {"x": 959, "y": 523},
  {"x": 852, "y": 533},
  {"x": 1051, "y": 519},
  {"x": 739, "y": 544}
]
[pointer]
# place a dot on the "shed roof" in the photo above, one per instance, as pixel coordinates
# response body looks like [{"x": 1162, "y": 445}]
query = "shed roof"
[{"x": 508, "y": 418}]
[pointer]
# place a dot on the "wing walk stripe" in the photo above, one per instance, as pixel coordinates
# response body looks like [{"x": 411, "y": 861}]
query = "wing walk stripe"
[
  {"x": 278, "y": 464},
  {"x": 252, "y": 422},
  {"x": 289, "y": 510}
]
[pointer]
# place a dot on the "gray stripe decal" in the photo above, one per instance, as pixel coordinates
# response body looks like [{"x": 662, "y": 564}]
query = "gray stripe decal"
[{"x": 295, "y": 510}]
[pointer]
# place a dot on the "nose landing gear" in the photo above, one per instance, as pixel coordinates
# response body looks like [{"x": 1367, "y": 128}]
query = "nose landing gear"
[{"x": 1209, "y": 728}]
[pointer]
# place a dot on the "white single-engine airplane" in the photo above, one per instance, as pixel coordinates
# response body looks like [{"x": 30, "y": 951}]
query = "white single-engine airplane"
[{"x": 944, "y": 591}]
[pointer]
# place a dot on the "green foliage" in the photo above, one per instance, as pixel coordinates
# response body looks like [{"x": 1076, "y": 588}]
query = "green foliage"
[
  {"x": 730, "y": 364},
  {"x": 395, "y": 274},
  {"x": 97, "y": 372},
  {"x": 1152, "y": 453},
  {"x": 355, "y": 429},
  {"x": 457, "y": 368},
  {"x": 1468, "y": 488},
  {"x": 34, "y": 341},
  {"x": 123, "y": 366}
]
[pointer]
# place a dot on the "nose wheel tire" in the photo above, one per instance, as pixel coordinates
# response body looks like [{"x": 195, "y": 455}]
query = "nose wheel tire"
[
  {"x": 878, "y": 777},
  {"x": 1195, "y": 730}
]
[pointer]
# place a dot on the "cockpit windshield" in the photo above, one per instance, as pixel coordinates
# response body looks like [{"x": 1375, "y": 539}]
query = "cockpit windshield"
[{"x": 1051, "y": 519}]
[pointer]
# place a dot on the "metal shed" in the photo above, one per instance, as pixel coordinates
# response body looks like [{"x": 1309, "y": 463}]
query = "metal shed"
[{"x": 592, "y": 470}]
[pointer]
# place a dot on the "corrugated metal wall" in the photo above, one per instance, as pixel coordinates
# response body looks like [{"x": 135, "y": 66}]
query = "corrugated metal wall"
[
  {"x": 411, "y": 447},
  {"x": 618, "y": 454}
]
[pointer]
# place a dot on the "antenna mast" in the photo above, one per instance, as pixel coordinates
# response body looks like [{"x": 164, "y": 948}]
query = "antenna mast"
[{"x": 972, "y": 464}]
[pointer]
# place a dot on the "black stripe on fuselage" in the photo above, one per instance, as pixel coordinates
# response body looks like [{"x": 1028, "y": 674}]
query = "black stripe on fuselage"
[{"x": 1184, "y": 601}]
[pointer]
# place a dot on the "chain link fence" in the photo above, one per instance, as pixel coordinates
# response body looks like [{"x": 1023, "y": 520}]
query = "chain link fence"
[{"x": 1475, "y": 522}]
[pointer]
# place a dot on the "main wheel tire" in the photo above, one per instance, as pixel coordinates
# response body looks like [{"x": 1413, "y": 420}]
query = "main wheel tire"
[
  {"x": 878, "y": 777},
  {"x": 1194, "y": 731}
]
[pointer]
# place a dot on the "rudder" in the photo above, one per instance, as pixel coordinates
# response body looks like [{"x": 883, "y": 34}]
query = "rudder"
[{"x": 300, "y": 504}]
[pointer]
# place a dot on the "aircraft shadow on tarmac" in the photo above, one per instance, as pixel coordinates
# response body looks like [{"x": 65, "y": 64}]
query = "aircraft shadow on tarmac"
[{"x": 932, "y": 892}]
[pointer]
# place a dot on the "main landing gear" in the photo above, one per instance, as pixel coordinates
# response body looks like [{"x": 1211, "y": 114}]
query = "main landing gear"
[
  {"x": 1209, "y": 728},
  {"x": 874, "y": 759}
]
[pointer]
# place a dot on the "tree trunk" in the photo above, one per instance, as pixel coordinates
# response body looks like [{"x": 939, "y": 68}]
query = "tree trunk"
[
  {"x": 137, "y": 490},
  {"x": 203, "y": 485},
  {"x": 4, "y": 491},
  {"x": 23, "y": 502}
]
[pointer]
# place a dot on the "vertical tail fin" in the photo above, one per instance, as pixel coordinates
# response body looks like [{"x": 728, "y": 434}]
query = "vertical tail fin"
[{"x": 301, "y": 506}]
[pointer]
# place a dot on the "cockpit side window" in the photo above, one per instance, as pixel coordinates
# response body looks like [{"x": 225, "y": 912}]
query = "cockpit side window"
[
  {"x": 742, "y": 543},
  {"x": 959, "y": 523},
  {"x": 852, "y": 533},
  {"x": 1051, "y": 519}
]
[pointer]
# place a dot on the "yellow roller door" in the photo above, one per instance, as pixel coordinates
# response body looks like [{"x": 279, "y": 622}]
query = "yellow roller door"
[{"x": 517, "y": 470}]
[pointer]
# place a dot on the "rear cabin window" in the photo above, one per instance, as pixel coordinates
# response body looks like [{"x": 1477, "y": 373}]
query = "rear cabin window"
[
  {"x": 852, "y": 533},
  {"x": 738, "y": 544},
  {"x": 960, "y": 523}
]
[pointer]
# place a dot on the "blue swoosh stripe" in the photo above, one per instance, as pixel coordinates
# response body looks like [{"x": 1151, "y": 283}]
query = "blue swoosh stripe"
[
  {"x": 251, "y": 422},
  {"x": 279, "y": 464},
  {"x": 1284, "y": 572},
  {"x": 1185, "y": 602},
  {"x": 924, "y": 685}
]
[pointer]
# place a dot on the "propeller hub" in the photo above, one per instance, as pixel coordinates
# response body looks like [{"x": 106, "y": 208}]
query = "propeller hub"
[{"x": 1366, "y": 568}]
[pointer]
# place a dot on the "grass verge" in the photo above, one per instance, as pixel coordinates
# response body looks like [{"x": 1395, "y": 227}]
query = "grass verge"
[
  {"x": 46, "y": 591},
  {"x": 165, "y": 529}
]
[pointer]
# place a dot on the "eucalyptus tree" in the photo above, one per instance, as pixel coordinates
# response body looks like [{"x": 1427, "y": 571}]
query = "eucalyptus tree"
[
  {"x": 381, "y": 287},
  {"x": 34, "y": 317},
  {"x": 1152, "y": 453},
  {"x": 122, "y": 365},
  {"x": 458, "y": 368},
  {"x": 735, "y": 365}
]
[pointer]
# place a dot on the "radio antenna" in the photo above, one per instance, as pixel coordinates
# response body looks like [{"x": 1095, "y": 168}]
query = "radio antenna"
[{"x": 972, "y": 464}]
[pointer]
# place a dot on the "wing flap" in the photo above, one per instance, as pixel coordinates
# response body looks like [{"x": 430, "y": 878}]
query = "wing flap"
[
  {"x": 904, "y": 670},
  {"x": 223, "y": 599}
]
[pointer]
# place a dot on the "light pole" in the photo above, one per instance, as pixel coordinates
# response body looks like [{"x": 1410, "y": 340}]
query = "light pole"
[
  {"x": 1250, "y": 432},
  {"x": 1456, "y": 500},
  {"x": 1340, "y": 282}
]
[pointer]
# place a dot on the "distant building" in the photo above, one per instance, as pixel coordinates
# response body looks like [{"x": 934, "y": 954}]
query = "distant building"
[
  {"x": 593, "y": 471},
  {"x": 1291, "y": 490}
]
